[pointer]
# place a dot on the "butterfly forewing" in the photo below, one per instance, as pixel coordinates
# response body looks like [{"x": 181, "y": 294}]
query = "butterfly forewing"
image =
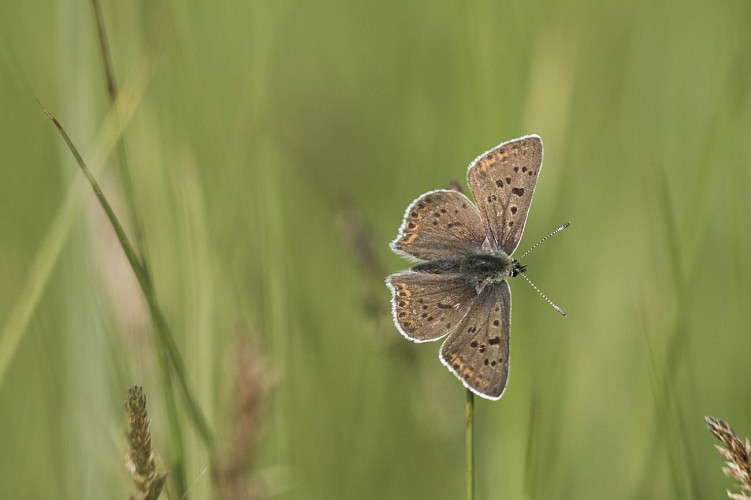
[
  {"x": 440, "y": 225},
  {"x": 428, "y": 306},
  {"x": 478, "y": 350},
  {"x": 503, "y": 181}
]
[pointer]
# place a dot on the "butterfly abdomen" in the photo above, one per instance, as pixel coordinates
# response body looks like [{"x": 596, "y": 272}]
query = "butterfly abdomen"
[{"x": 439, "y": 266}]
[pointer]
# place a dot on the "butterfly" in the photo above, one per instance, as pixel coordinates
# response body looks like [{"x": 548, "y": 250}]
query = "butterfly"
[{"x": 460, "y": 287}]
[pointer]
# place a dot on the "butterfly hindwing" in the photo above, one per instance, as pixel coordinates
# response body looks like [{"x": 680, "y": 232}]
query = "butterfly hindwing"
[
  {"x": 428, "y": 306},
  {"x": 477, "y": 352},
  {"x": 503, "y": 181},
  {"x": 440, "y": 224}
]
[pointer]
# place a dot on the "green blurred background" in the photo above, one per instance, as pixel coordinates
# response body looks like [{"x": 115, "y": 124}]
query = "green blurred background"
[{"x": 272, "y": 154}]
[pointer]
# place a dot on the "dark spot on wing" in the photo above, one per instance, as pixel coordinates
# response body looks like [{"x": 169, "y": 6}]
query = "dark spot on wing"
[{"x": 518, "y": 191}]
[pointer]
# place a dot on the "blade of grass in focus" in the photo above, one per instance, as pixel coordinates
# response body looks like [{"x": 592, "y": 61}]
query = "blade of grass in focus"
[
  {"x": 167, "y": 351},
  {"x": 49, "y": 251}
]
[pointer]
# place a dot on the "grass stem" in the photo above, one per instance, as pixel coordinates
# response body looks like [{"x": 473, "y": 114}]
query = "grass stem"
[
  {"x": 469, "y": 430},
  {"x": 168, "y": 352},
  {"x": 111, "y": 83}
]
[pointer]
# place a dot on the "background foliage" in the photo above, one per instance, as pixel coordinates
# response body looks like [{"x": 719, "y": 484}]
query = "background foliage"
[{"x": 272, "y": 155}]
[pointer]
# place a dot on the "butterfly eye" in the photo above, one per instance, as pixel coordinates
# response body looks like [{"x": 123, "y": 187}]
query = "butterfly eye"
[{"x": 517, "y": 269}]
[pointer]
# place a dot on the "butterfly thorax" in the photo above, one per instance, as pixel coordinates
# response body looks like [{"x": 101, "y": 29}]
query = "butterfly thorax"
[{"x": 483, "y": 267}]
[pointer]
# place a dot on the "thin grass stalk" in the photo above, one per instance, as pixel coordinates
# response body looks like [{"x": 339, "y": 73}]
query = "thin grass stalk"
[
  {"x": 469, "y": 431},
  {"x": 111, "y": 83},
  {"x": 168, "y": 346},
  {"x": 44, "y": 260},
  {"x": 683, "y": 463},
  {"x": 165, "y": 348},
  {"x": 175, "y": 427}
]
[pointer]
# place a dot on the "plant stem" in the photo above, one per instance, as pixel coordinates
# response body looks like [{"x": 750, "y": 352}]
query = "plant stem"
[
  {"x": 469, "y": 428},
  {"x": 125, "y": 178},
  {"x": 175, "y": 427},
  {"x": 167, "y": 349}
]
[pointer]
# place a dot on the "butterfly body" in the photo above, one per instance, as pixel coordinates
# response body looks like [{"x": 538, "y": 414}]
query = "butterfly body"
[
  {"x": 460, "y": 289},
  {"x": 479, "y": 269}
]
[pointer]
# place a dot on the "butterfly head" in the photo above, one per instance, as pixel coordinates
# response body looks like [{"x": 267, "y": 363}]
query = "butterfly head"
[{"x": 517, "y": 268}]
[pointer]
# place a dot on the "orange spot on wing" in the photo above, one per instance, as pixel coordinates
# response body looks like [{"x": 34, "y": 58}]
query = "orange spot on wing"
[
  {"x": 460, "y": 366},
  {"x": 410, "y": 238},
  {"x": 402, "y": 287}
]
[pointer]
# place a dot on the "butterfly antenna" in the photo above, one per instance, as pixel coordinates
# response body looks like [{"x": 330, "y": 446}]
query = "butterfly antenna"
[
  {"x": 560, "y": 311},
  {"x": 545, "y": 238}
]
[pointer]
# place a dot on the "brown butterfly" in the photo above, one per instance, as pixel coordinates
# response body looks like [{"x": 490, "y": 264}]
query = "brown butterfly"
[{"x": 460, "y": 288}]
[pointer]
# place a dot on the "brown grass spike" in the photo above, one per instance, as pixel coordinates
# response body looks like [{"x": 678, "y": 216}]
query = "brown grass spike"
[
  {"x": 141, "y": 456},
  {"x": 736, "y": 452},
  {"x": 250, "y": 386}
]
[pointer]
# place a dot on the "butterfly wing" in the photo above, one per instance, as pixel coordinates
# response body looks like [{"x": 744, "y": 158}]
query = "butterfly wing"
[
  {"x": 438, "y": 225},
  {"x": 503, "y": 181},
  {"x": 428, "y": 306},
  {"x": 477, "y": 352}
]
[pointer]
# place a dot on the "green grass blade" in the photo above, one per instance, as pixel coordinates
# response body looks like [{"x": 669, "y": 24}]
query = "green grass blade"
[
  {"x": 44, "y": 262},
  {"x": 163, "y": 330}
]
